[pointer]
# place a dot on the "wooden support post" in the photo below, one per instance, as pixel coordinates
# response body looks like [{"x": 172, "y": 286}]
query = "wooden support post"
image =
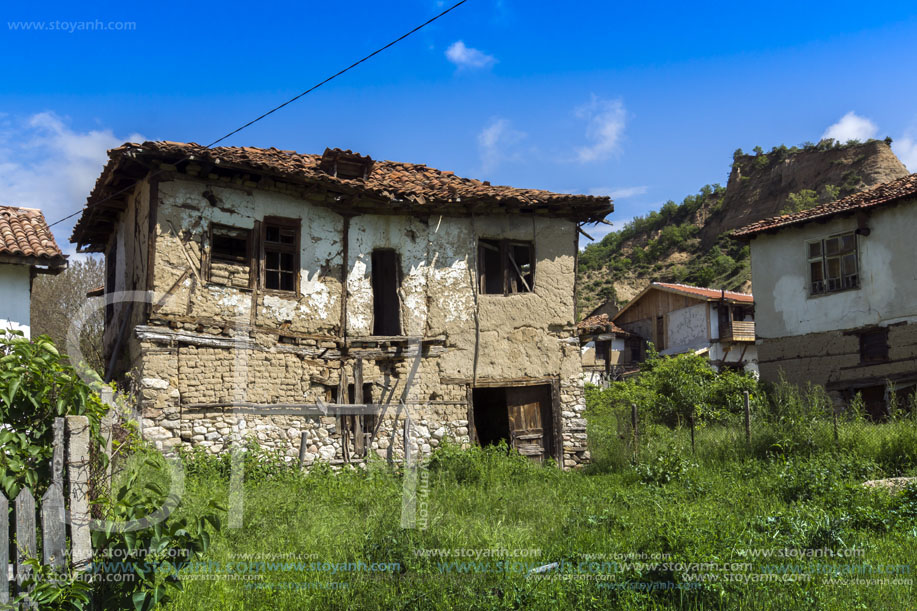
[
  {"x": 747, "y": 420},
  {"x": 358, "y": 439},
  {"x": 636, "y": 434},
  {"x": 344, "y": 419},
  {"x": 78, "y": 470}
]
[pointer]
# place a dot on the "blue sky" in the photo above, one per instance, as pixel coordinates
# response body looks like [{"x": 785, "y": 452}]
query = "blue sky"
[{"x": 645, "y": 101}]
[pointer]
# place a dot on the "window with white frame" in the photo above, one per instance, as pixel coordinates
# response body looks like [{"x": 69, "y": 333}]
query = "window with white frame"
[{"x": 833, "y": 264}]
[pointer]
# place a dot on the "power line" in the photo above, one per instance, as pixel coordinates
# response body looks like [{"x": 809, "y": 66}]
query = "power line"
[{"x": 290, "y": 101}]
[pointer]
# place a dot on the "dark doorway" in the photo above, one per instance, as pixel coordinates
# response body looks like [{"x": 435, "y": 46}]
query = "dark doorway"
[
  {"x": 874, "y": 399},
  {"x": 385, "y": 282},
  {"x": 491, "y": 420},
  {"x": 520, "y": 415}
]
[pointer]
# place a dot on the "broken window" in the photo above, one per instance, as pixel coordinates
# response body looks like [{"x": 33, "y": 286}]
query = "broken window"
[
  {"x": 506, "y": 267},
  {"x": 385, "y": 283},
  {"x": 833, "y": 264},
  {"x": 230, "y": 256},
  {"x": 874, "y": 346},
  {"x": 281, "y": 254}
]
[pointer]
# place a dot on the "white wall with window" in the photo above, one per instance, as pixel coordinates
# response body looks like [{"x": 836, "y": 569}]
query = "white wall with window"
[{"x": 845, "y": 273}]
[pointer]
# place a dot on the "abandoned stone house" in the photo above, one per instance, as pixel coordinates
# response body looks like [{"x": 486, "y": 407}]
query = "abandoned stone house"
[
  {"x": 678, "y": 318},
  {"x": 836, "y": 294},
  {"x": 281, "y": 281}
]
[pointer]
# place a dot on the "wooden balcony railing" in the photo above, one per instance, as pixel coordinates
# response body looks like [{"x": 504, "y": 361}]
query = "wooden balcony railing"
[{"x": 740, "y": 331}]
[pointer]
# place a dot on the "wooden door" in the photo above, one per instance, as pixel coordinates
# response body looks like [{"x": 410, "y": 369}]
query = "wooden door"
[{"x": 528, "y": 408}]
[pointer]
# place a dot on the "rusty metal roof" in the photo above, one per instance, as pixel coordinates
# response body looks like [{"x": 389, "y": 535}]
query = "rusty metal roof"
[
  {"x": 24, "y": 234},
  {"x": 886, "y": 193}
]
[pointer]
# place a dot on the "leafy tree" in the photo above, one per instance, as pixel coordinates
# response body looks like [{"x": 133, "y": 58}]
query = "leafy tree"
[
  {"x": 799, "y": 201},
  {"x": 56, "y": 300}
]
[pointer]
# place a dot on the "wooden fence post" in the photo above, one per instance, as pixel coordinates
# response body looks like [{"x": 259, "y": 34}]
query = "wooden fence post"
[
  {"x": 4, "y": 550},
  {"x": 693, "y": 451},
  {"x": 834, "y": 418},
  {"x": 25, "y": 532},
  {"x": 633, "y": 422},
  {"x": 78, "y": 470},
  {"x": 747, "y": 420},
  {"x": 54, "y": 527}
]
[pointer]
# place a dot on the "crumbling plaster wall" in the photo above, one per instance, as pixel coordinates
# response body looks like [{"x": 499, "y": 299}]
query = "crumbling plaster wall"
[
  {"x": 521, "y": 336},
  {"x": 687, "y": 329}
]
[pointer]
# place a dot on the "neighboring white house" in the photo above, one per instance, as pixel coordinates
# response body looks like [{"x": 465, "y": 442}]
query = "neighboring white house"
[
  {"x": 27, "y": 247},
  {"x": 837, "y": 293},
  {"x": 608, "y": 351},
  {"x": 678, "y": 318}
]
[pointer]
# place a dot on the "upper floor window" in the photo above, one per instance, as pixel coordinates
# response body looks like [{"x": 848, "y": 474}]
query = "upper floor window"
[
  {"x": 833, "y": 264},
  {"x": 230, "y": 256},
  {"x": 280, "y": 246},
  {"x": 506, "y": 267}
]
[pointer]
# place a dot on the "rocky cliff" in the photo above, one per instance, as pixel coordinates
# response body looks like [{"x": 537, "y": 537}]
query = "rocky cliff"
[{"x": 687, "y": 242}]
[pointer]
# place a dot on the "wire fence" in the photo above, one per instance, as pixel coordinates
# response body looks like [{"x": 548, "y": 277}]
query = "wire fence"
[{"x": 628, "y": 435}]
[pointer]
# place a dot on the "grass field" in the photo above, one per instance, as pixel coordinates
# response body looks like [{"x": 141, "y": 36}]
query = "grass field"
[{"x": 676, "y": 530}]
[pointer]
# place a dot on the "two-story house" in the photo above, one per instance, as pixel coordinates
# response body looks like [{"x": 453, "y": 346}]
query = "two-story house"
[
  {"x": 836, "y": 289},
  {"x": 27, "y": 248},
  {"x": 678, "y": 318},
  {"x": 279, "y": 281}
]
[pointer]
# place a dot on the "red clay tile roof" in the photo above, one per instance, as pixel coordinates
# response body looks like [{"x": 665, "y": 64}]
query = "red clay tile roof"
[
  {"x": 706, "y": 293},
  {"x": 893, "y": 191},
  {"x": 393, "y": 184},
  {"x": 600, "y": 323},
  {"x": 25, "y": 234}
]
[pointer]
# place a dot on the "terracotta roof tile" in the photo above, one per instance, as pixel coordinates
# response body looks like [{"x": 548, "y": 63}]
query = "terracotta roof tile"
[
  {"x": 600, "y": 323},
  {"x": 705, "y": 292},
  {"x": 24, "y": 233},
  {"x": 893, "y": 191},
  {"x": 396, "y": 184}
]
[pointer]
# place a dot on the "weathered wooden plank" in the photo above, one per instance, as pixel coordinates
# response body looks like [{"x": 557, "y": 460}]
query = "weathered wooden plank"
[
  {"x": 53, "y": 527},
  {"x": 57, "y": 458},
  {"x": 78, "y": 470},
  {"x": 4, "y": 550},
  {"x": 358, "y": 398},
  {"x": 25, "y": 532}
]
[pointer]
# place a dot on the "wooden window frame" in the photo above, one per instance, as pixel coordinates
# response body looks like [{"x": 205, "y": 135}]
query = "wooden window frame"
[
  {"x": 845, "y": 282},
  {"x": 208, "y": 257},
  {"x": 509, "y": 270},
  {"x": 294, "y": 249}
]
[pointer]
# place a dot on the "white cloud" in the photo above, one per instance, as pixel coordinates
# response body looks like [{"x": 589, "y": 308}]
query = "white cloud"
[
  {"x": 467, "y": 57},
  {"x": 605, "y": 126},
  {"x": 851, "y": 127},
  {"x": 618, "y": 192},
  {"x": 47, "y": 165},
  {"x": 906, "y": 150},
  {"x": 497, "y": 143}
]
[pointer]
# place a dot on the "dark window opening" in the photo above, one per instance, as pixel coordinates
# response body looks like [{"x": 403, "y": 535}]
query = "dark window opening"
[
  {"x": 281, "y": 255},
  {"x": 874, "y": 399},
  {"x": 874, "y": 346},
  {"x": 833, "y": 264},
  {"x": 229, "y": 244},
  {"x": 506, "y": 267},
  {"x": 602, "y": 349},
  {"x": 385, "y": 283}
]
